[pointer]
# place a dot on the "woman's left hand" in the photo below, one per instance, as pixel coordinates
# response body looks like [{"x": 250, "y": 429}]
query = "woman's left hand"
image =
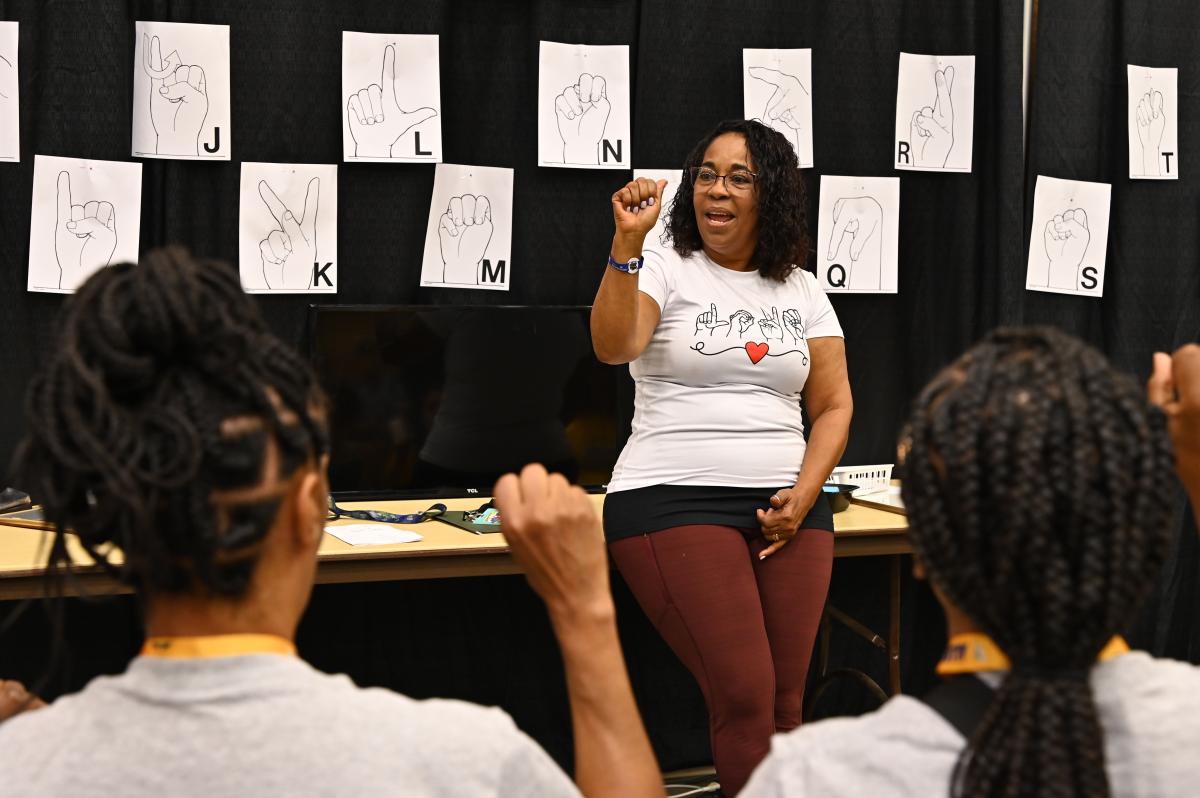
[{"x": 781, "y": 522}]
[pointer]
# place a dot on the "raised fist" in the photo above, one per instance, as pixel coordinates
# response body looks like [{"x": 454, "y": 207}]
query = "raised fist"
[{"x": 636, "y": 207}]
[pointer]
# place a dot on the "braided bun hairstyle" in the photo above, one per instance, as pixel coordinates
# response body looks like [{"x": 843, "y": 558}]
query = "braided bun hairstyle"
[
  {"x": 157, "y": 419},
  {"x": 1037, "y": 486}
]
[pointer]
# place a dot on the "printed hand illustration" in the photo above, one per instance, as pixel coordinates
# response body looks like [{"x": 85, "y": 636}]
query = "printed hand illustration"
[
  {"x": 710, "y": 320},
  {"x": 787, "y": 105},
  {"x": 289, "y": 252},
  {"x": 771, "y": 328},
  {"x": 744, "y": 319},
  {"x": 1151, "y": 122},
  {"x": 931, "y": 131},
  {"x": 178, "y": 100},
  {"x": 85, "y": 236},
  {"x": 791, "y": 320},
  {"x": 1066, "y": 237},
  {"x": 8, "y": 79},
  {"x": 464, "y": 232},
  {"x": 582, "y": 112},
  {"x": 859, "y": 219},
  {"x": 376, "y": 119}
]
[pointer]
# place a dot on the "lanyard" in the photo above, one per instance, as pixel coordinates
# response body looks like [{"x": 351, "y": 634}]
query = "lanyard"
[
  {"x": 973, "y": 652},
  {"x": 208, "y": 646}
]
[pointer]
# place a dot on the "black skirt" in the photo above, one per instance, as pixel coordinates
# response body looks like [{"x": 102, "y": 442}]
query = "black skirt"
[{"x": 628, "y": 513}]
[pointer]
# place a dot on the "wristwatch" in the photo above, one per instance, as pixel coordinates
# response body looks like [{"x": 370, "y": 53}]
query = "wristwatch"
[{"x": 629, "y": 268}]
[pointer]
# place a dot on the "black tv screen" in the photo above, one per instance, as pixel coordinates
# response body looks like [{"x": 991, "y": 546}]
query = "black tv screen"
[{"x": 440, "y": 401}]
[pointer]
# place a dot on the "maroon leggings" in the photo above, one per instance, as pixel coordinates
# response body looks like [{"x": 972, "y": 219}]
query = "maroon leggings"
[{"x": 743, "y": 627}]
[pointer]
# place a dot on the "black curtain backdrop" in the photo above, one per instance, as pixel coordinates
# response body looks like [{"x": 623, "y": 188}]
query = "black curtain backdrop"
[
  {"x": 1078, "y": 131},
  {"x": 962, "y": 254}
]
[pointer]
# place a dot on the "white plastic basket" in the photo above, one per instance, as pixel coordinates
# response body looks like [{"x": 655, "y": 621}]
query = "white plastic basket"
[{"x": 868, "y": 478}]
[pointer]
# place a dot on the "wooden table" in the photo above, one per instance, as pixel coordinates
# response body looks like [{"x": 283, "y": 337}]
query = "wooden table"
[{"x": 444, "y": 552}]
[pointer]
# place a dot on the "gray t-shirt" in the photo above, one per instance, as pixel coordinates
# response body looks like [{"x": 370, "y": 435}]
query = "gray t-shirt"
[
  {"x": 264, "y": 724},
  {"x": 1149, "y": 710}
]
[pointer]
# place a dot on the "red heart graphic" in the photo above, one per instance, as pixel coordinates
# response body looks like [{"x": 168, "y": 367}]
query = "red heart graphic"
[{"x": 756, "y": 351}]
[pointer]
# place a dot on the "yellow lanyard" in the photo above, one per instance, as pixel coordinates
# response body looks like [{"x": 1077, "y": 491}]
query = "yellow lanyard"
[
  {"x": 973, "y": 652},
  {"x": 207, "y": 646}
]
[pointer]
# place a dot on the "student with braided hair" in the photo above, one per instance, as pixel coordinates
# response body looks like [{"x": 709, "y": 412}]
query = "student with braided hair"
[
  {"x": 170, "y": 423},
  {"x": 1038, "y": 490}
]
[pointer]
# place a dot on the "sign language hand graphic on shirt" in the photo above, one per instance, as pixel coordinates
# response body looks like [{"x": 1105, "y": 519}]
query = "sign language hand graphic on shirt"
[
  {"x": 744, "y": 319},
  {"x": 771, "y": 327},
  {"x": 710, "y": 320},
  {"x": 793, "y": 323}
]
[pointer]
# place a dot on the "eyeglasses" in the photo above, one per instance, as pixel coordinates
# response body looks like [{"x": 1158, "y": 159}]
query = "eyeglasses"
[
  {"x": 739, "y": 180},
  {"x": 336, "y": 512}
]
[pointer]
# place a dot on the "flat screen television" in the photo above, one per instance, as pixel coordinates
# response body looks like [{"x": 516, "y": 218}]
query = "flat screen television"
[{"x": 440, "y": 401}]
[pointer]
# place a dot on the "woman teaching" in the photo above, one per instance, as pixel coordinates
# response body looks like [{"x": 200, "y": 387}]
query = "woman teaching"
[{"x": 714, "y": 514}]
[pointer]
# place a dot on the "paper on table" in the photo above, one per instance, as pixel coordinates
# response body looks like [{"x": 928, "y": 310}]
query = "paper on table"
[
  {"x": 181, "y": 91},
  {"x": 288, "y": 219},
  {"x": 777, "y": 91},
  {"x": 469, "y": 235},
  {"x": 10, "y": 125},
  {"x": 371, "y": 534},
  {"x": 86, "y": 215},
  {"x": 858, "y": 234},
  {"x": 583, "y": 106},
  {"x": 392, "y": 94},
  {"x": 935, "y": 112}
]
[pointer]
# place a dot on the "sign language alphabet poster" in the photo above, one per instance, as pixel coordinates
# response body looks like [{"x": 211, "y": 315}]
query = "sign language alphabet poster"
[
  {"x": 391, "y": 97},
  {"x": 858, "y": 235},
  {"x": 1069, "y": 239},
  {"x": 287, "y": 242},
  {"x": 181, "y": 91},
  {"x": 935, "y": 112},
  {"x": 468, "y": 240},
  {"x": 777, "y": 91},
  {"x": 583, "y": 106},
  {"x": 10, "y": 116},
  {"x": 1153, "y": 123},
  {"x": 86, "y": 215}
]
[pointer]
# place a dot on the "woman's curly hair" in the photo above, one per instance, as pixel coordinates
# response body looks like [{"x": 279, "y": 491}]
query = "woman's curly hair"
[{"x": 782, "y": 219}]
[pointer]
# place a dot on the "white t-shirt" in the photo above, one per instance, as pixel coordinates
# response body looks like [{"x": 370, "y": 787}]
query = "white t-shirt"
[
  {"x": 1149, "y": 710},
  {"x": 264, "y": 725},
  {"x": 717, "y": 397}
]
